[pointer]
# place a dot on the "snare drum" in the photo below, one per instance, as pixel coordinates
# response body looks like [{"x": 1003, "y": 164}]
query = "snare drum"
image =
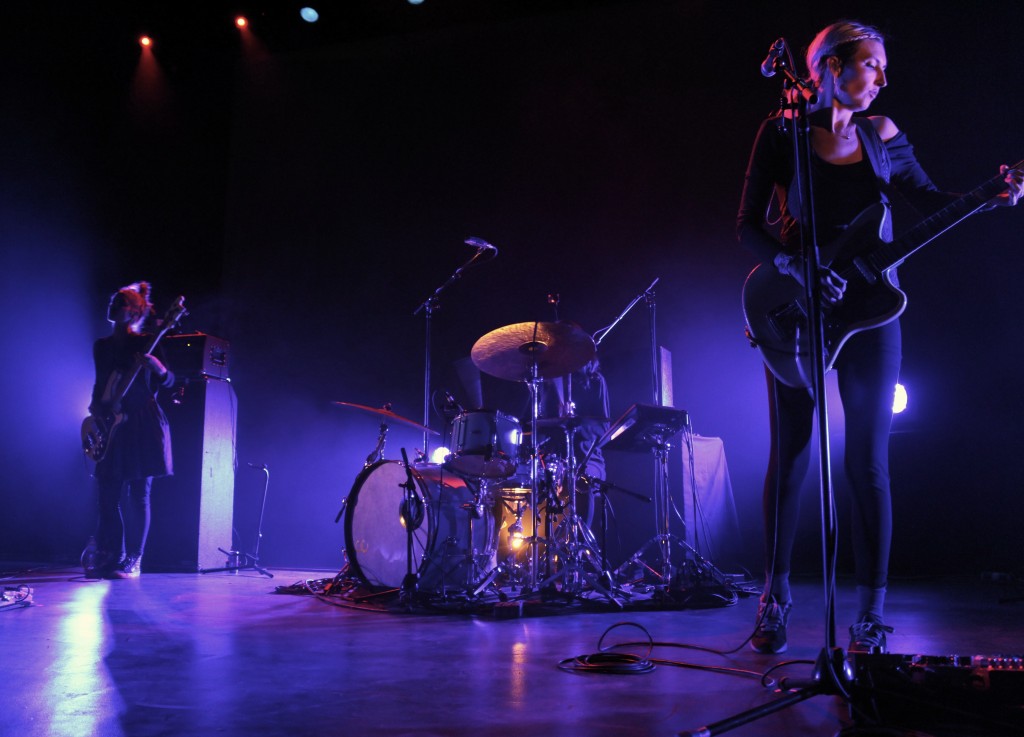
[
  {"x": 486, "y": 444},
  {"x": 451, "y": 546}
]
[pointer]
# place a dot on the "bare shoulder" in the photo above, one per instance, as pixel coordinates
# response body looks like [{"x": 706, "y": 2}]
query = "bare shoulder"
[{"x": 884, "y": 126}]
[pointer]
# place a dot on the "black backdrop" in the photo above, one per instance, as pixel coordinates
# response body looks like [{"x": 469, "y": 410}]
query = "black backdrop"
[{"x": 307, "y": 190}]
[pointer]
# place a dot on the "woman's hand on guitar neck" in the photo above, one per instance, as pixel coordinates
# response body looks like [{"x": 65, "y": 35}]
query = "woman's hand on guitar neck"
[{"x": 1009, "y": 198}]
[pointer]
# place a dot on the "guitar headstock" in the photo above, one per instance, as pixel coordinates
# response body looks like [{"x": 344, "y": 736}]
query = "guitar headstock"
[{"x": 174, "y": 314}]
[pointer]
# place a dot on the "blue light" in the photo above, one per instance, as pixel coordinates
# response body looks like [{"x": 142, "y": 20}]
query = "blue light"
[
  {"x": 415, "y": 2},
  {"x": 309, "y": 15}
]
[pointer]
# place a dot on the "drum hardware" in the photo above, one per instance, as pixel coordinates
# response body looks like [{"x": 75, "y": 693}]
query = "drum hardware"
[
  {"x": 600, "y": 488},
  {"x": 377, "y": 454},
  {"x": 648, "y": 428},
  {"x": 531, "y": 352},
  {"x": 581, "y": 558},
  {"x": 411, "y": 513}
]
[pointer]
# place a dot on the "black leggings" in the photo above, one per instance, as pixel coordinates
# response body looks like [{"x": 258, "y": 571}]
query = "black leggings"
[
  {"x": 113, "y": 536},
  {"x": 867, "y": 370}
]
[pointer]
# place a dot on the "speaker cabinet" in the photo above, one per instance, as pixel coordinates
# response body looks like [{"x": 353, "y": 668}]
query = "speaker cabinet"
[{"x": 192, "y": 510}]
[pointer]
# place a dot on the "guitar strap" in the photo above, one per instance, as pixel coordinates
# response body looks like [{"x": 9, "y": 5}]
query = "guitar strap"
[{"x": 880, "y": 162}]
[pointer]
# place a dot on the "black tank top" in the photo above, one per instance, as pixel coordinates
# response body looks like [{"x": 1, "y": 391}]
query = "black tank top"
[{"x": 841, "y": 192}]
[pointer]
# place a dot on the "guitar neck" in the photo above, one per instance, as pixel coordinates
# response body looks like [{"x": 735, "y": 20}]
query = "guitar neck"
[
  {"x": 892, "y": 254},
  {"x": 175, "y": 314}
]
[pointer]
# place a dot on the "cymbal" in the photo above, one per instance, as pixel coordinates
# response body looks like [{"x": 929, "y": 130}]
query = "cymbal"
[
  {"x": 509, "y": 353},
  {"x": 385, "y": 411}
]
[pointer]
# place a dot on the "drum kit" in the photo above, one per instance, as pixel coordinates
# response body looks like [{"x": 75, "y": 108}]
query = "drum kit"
[{"x": 496, "y": 514}]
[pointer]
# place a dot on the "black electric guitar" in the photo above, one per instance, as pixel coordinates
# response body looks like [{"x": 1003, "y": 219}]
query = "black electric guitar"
[
  {"x": 98, "y": 429},
  {"x": 775, "y": 306}
]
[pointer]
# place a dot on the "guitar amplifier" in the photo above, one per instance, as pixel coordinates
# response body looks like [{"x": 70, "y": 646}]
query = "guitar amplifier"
[
  {"x": 944, "y": 695},
  {"x": 197, "y": 356}
]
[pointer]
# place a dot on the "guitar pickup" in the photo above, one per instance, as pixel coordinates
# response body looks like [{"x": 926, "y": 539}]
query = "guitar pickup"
[
  {"x": 787, "y": 319},
  {"x": 865, "y": 271}
]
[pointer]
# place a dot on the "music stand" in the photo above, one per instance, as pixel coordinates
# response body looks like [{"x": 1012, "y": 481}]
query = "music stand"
[{"x": 645, "y": 428}]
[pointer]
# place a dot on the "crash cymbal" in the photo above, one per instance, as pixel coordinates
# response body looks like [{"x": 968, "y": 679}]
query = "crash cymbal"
[
  {"x": 509, "y": 353},
  {"x": 385, "y": 411}
]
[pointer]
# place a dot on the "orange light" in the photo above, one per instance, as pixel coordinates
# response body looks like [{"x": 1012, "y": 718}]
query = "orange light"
[
  {"x": 241, "y": 21},
  {"x": 145, "y": 41}
]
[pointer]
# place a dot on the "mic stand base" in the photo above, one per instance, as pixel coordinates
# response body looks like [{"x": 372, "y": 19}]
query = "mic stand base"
[
  {"x": 832, "y": 677},
  {"x": 235, "y": 565}
]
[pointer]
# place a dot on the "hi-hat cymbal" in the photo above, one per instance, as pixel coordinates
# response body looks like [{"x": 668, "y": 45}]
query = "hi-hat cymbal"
[
  {"x": 558, "y": 349},
  {"x": 386, "y": 412}
]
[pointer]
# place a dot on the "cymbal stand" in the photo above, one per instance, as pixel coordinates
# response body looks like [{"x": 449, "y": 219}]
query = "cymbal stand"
[
  {"x": 534, "y": 387},
  {"x": 580, "y": 545}
]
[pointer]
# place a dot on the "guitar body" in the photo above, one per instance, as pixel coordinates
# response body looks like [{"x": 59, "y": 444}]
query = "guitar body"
[
  {"x": 776, "y": 308},
  {"x": 98, "y": 433},
  {"x": 775, "y": 305}
]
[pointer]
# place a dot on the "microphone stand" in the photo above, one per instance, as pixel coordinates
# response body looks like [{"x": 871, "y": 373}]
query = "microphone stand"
[
  {"x": 428, "y": 307},
  {"x": 252, "y": 560},
  {"x": 833, "y": 674},
  {"x": 411, "y": 520}
]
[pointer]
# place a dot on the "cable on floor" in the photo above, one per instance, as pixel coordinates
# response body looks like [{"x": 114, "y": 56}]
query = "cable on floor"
[{"x": 613, "y": 663}]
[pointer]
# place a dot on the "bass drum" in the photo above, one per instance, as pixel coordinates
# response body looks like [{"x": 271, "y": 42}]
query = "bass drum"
[{"x": 451, "y": 545}]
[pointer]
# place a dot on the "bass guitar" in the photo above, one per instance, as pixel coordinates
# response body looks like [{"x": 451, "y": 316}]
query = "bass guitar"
[
  {"x": 775, "y": 305},
  {"x": 99, "y": 427}
]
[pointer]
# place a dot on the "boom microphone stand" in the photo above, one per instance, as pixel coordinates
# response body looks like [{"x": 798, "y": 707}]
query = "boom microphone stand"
[
  {"x": 428, "y": 306},
  {"x": 832, "y": 673}
]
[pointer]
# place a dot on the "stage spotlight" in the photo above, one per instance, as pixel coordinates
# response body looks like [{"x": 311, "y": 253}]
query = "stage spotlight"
[
  {"x": 437, "y": 455},
  {"x": 415, "y": 2},
  {"x": 309, "y": 15},
  {"x": 241, "y": 22},
  {"x": 145, "y": 42},
  {"x": 899, "y": 400}
]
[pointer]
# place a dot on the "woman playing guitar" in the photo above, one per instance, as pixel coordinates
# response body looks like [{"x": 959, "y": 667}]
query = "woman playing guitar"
[
  {"x": 856, "y": 163},
  {"x": 133, "y": 438}
]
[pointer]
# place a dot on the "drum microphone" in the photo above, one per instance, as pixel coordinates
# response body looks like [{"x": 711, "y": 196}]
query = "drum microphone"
[
  {"x": 258, "y": 466},
  {"x": 451, "y": 403},
  {"x": 481, "y": 244},
  {"x": 774, "y": 53}
]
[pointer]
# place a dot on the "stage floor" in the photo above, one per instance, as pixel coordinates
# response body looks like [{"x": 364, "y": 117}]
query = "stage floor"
[{"x": 226, "y": 654}]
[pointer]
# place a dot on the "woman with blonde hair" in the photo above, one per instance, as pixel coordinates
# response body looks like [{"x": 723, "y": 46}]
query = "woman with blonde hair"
[{"x": 856, "y": 162}]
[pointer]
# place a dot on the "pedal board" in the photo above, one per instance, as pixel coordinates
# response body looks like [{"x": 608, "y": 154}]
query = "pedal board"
[{"x": 977, "y": 695}]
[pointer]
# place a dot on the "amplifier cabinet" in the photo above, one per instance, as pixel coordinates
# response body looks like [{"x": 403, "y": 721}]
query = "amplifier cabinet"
[{"x": 197, "y": 356}]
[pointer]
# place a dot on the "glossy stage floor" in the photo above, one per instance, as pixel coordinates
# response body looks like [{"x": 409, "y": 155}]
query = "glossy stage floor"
[{"x": 234, "y": 654}]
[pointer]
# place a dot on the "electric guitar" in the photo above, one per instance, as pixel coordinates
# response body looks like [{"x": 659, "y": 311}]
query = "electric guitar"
[
  {"x": 775, "y": 305},
  {"x": 98, "y": 428}
]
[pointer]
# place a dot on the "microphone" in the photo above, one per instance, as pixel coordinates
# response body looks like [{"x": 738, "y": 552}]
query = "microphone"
[
  {"x": 768, "y": 65},
  {"x": 481, "y": 244},
  {"x": 451, "y": 403},
  {"x": 258, "y": 466}
]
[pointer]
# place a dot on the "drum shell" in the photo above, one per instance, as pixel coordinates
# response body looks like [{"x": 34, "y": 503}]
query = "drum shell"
[
  {"x": 451, "y": 547},
  {"x": 486, "y": 444}
]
